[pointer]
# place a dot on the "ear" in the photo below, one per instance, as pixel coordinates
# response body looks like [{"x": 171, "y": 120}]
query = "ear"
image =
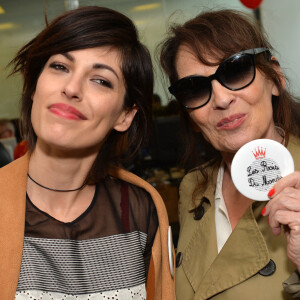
[
  {"x": 277, "y": 68},
  {"x": 125, "y": 119}
]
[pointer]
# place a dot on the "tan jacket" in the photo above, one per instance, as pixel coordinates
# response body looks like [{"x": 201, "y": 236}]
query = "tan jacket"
[
  {"x": 233, "y": 274},
  {"x": 13, "y": 177}
]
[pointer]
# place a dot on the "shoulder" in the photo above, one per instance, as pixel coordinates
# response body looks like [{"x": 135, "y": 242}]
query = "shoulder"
[
  {"x": 137, "y": 197},
  {"x": 18, "y": 164},
  {"x": 13, "y": 178},
  {"x": 126, "y": 188},
  {"x": 191, "y": 179},
  {"x": 294, "y": 147},
  {"x": 14, "y": 172},
  {"x": 197, "y": 179},
  {"x": 138, "y": 184},
  {"x": 130, "y": 203},
  {"x": 294, "y": 143}
]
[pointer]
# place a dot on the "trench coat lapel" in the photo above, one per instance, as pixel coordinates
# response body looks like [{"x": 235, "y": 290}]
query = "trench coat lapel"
[
  {"x": 213, "y": 273},
  {"x": 12, "y": 224},
  {"x": 203, "y": 240},
  {"x": 232, "y": 266},
  {"x": 202, "y": 235}
]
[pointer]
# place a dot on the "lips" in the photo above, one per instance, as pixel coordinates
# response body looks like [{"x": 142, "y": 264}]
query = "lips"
[
  {"x": 231, "y": 122},
  {"x": 66, "y": 111}
]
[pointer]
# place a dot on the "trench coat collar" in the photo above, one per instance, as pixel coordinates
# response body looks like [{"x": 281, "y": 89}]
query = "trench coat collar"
[
  {"x": 233, "y": 266},
  {"x": 215, "y": 273}
]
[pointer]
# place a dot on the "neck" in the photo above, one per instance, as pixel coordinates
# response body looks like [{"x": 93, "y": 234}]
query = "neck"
[
  {"x": 235, "y": 202},
  {"x": 56, "y": 190},
  {"x": 59, "y": 170}
]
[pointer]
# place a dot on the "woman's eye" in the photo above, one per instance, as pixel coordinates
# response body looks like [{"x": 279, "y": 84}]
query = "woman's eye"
[
  {"x": 58, "y": 67},
  {"x": 103, "y": 82}
]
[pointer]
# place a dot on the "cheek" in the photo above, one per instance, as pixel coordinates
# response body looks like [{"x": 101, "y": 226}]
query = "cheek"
[
  {"x": 263, "y": 115},
  {"x": 39, "y": 98},
  {"x": 260, "y": 92},
  {"x": 35, "y": 120},
  {"x": 262, "y": 105},
  {"x": 40, "y": 90},
  {"x": 200, "y": 120},
  {"x": 36, "y": 99},
  {"x": 106, "y": 112}
]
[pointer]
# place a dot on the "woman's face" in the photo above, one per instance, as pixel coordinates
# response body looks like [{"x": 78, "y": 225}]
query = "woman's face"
[
  {"x": 79, "y": 99},
  {"x": 231, "y": 118}
]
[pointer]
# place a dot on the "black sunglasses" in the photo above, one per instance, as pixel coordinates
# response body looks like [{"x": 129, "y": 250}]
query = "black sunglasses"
[{"x": 235, "y": 73}]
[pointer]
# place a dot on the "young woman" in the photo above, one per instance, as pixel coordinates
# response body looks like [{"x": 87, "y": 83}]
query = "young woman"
[{"x": 73, "y": 225}]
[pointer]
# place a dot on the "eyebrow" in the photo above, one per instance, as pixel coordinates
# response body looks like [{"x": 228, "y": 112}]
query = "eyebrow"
[{"x": 95, "y": 66}]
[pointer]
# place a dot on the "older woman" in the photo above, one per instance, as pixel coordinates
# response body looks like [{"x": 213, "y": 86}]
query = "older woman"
[
  {"x": 232, "y": 91},
  {"x": 73, "y": 226}
]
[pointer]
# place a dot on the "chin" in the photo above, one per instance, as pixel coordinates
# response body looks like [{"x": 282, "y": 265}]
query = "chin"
[
  {"x": 233, "y": 146},
  {"x": 53, "y": 142}
]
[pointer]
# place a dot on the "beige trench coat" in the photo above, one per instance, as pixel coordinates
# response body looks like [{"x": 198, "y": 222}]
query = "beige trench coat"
[
  {"x": 13, "y": 177},
  {"x": 233, "y": 274}
]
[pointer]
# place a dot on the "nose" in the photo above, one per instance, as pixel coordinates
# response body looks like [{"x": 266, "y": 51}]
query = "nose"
[
  {"x": 72, "y": 88},
  {"x": 221, "y": 96}
]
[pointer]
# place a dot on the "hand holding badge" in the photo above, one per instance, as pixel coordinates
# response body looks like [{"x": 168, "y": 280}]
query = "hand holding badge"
[{"x": 264, "y": 170}]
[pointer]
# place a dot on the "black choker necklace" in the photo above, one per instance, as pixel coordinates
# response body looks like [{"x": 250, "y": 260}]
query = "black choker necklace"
[{"x": 54, "y": 190}]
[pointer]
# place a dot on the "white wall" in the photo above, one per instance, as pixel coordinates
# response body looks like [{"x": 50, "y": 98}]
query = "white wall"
[{"x": 281, "y": 20}]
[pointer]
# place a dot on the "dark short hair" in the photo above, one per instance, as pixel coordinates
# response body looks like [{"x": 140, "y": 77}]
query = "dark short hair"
[
  {"x": 219, "y": 34},
  {"x": 89, "y": 27}
]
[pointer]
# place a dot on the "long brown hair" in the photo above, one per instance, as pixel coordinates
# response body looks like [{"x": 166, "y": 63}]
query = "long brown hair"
[{"x": 83, "y": 28}]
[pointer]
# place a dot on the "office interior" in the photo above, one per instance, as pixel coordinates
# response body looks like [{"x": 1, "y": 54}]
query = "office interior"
[{"x": 159, "y": 161}]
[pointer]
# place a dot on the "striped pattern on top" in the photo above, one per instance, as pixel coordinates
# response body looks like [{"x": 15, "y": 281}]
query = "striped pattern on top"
[{"x": 77, "y": 267}]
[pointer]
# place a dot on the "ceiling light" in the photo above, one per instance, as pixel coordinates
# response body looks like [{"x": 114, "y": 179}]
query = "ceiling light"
[
  {"x": 7, "y": 26},
  {"x": 146, "y": 7},
  {"x": 71, "y": 4}
]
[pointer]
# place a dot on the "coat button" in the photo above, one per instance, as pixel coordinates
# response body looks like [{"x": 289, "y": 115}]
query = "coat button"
[
  {"x": 178, "y": 259},
  {"x": 269, "y": 269},
  {"x": 198, "y": 213}
]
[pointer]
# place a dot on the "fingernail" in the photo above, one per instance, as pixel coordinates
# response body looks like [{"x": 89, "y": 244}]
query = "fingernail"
[
  {"x": 263, "y": 211},
  {"x": 271, "y": 192}
]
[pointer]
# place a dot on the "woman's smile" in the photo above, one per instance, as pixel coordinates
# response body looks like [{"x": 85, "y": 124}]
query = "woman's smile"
[
  {"x": 66, "y": 111},
  {"x": 232, "y": 122}
]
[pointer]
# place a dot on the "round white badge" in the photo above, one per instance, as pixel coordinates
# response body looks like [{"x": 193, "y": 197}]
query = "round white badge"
[{"x": 258, "y": 165}]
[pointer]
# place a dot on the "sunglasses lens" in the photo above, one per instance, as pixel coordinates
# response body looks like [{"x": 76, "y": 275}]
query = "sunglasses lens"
[
  {"x": 192, "y": 91},
  {"x": 236, "y": 73}
]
